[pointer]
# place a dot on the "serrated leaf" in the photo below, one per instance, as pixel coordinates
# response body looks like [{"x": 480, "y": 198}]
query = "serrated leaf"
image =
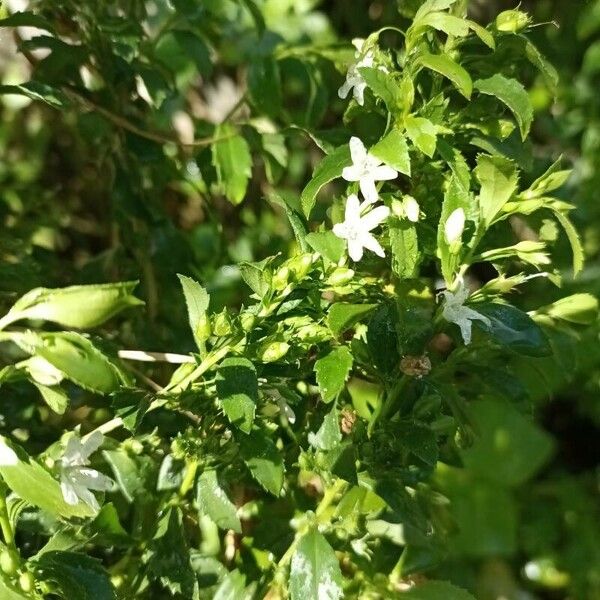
[
  {"x": 327, "y": 244},
  {"x": 404, "y": 244},
  {"x": 514, "y": 329},
  {"x": 78, "y": 577},
  {"x": 262, "y": 457},
  {"x": 511, "y": 93},
  {"x": 30, "y": 481},
  {"x": 197, "y": 301},
  {"x": 498, "y": 178},
  {"x": 126, "y": 473},
  {"x": 393, "y": 151},
  {"x": 330, "y": 168},
  {"x": 442, "y": 21},
  {"x": 79, "y": 306},
  {"x": 577, "y": 308},
  {"x": 574, "y": 240},
  {"x": 315, "y": 571},
  {"x": 422, "y": 133},
  {"x": 213, "y": 502},
  {"x": 237, "y": 389},
  {"x": 332, "y": 371},
  {"x": 328, "y": 435},
  {"x": 431, "y": 6},
  {"x": 383, "y": 86},
  {"x": 232, "y": 587},
  {"x": 54, "y": 396},
  {"x": 26, "y": 19},
  {"x": 342, "y": 316},
  {"x": 168, "y": 556},
  {"x": 233, "y": 162},
  {"x": 444, "y": 65}
]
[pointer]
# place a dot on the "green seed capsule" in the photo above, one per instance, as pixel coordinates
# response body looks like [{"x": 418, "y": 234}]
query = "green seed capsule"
[
  {"x": 203, "y": 329},
  {"x": 274, "y": 351},
  {"x": 222, "y": 324},
  {"x": 300, "y": 265},
  {"x": 281, "y": 277},
  {"x": 27, "y": 582},
  {"x": 512, "y": 21},
  {"x": 340, "y": 276},
  {"x": 8, "y": 562},
  {"x": 247, "y": 321}
]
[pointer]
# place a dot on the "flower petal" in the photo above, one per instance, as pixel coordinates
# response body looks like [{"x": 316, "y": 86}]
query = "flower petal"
[
  {"x": 384, "y": 173},
  {"x": 355, "y": 250},
  {"x": 351, "y": 173},
  {"x": 68, "y": 492},
  {"x": 340, "y": 230},
  {"x": 370, "y": 243},
  {"x": 359, "y": 92},
  {"x": 374, "y": 218},
  {"x": 368, "y": 189},
  {"x": 91, "y": 443},
  {"x": 358, "y": 152},
  {"x": 352, "y": 212},
  {"x": 344, "y": 90},
  {"x": 92, "y": 479}
]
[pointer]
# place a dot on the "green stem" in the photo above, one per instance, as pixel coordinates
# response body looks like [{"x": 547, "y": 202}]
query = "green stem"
[
  {"x": 7, "y": 530},
  {"x": 190, "y": 477}
]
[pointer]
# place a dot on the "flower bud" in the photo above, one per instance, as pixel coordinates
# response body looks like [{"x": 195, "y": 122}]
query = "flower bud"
[
  {"x": 280, "y": 278},
  {"x": 274, "y": 351},
  {"x": 27, "y": 582},
  {"x": 512, "y": 21},
  {"x": 411, "y": 209},
  {"x": 247, "y": 321},
  {"x": 203, "y": 329},
  {"x": 340, "y": 276},
  {"x": 454, "y": 226},
  {"x": 222, "y": 324},
  {"x": 300, "y": 265}
]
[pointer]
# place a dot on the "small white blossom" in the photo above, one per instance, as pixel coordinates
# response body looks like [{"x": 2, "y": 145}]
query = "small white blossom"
[
  {"x": 411, "y": 208},
  {"x": 455, "y": 225},
  {"x": 455, "y": 311},
  {"x": 356, "y": 228},
  {"x": 76, "y": 478},
  {"x": 354, "y": 80},
  {"x": 366, "y": 169}
]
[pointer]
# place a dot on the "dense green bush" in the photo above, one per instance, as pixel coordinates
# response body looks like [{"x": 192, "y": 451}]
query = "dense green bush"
[{"x": 345, "y": 298}]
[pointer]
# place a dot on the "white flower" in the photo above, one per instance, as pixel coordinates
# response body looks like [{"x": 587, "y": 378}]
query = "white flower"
[
  {"x": 366, "y": 169},
  {"x": 76, "y": 479},
  {"x": 455, "y": 225},
  {"x": 456, "y": 312},
  {"x": 356, "y": 228},
  {"x": 354, "y": 80}
]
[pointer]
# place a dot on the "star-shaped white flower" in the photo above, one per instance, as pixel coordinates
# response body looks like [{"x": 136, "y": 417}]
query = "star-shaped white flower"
[
  {"x": 455, "y": 311},
  {"x": 356, "y": 228},
  {"x": 354, "y": 80},
  {"x": 366, "y": 169},
  {"x": 76, "y": 478}
]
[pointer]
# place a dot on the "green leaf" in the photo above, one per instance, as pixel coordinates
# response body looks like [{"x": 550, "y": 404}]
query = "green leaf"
[
  {"x": 257, "y": 15},
  {"x": 168, "y": 556},
  {"x": 444, "y": 65},
  {"x": 574, "y": 240},
  {"x": 327, "y": 170},
  {"x": 327, "y": 244},
  {"x": 80, "y": 306},
  {"x": 581, "y": 309},
  {"x": 383, "y": 86},
  {"x": 332, "y": 371},
  {"x": 405, "y": 248},
  {"x": 37, "y": 91},
  {"x": 509, "y": 448},
  {"x": 213, "y": 502},
  {"x": 197, "y": 300},
  {"x": 442, "y": 21},
  {"x": 233, "y": 162},
  {"x": 7, "y": 593},
  {"x": 54, "y": 396},
  {"x": 393, "y": 151},
  {"x": 498, "y": 178},
  {"x": 232, "y": 587},
  {"x": 420, "y": 440},
  {"x": 256, "y": 277},
  {"x": 30, "y": 481},
  {"x": 342, "y": 316},
  {"x": 196, "y": 48},
  {"x": 511, "y": 93},
  {"x": 262, "y": 457},
  {"x": 431, "y": 6},
  {"x": 436, "y": 590},
  {"x": 79, "y": 360},
  {"x": 513, "y": 329},
  {"x": 237, "y": 389},
  {"x": 77, "y": 576},
  {"x": 264, "y": 85},
  {"x": 423, "y": 134},
  {"x": 315, "y": 571},
  {"x": 329, "y": 435},
  {"x": 126, "y": 473},
  {"x": 26, "y": 19}
]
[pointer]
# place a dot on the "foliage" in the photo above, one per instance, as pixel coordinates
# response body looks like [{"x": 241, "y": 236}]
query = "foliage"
[{"x": 332, "y": 377}]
